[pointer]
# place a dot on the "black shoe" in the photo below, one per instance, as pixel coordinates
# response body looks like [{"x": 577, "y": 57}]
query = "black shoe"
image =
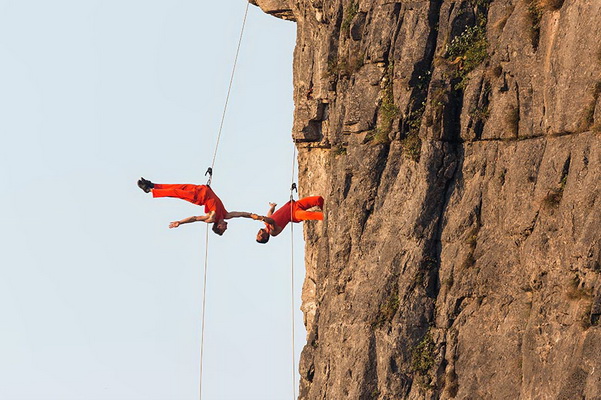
[
  {"x": 147, "y": 182},
  {"x": 142, "y": 185}
]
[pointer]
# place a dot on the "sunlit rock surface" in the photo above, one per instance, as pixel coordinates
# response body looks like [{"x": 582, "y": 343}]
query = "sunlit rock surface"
[{"x": 457, "y": 145}]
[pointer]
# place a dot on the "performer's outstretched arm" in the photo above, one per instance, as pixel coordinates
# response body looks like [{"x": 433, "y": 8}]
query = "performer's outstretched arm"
[
  {"x": 267, "y": 220},
  {"x": 188, "y": 220},
  {"x": 237, "y": 214}
]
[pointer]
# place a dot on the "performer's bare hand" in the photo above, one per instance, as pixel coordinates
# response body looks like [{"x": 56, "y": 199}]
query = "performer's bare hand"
[
  {"x": 174, "y": 224},
  {"x": 272, "y": 204}
]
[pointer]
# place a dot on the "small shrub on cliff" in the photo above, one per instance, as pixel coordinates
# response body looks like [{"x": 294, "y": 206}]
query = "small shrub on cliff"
[
  {"x": 535, "y": 14},
  {"x": 377, "y": 136},
  {"x": 471, "y": 239},
  {"x": 480, "y": 3},
  {"x": 387, "y": 310},
  {"x": 412, "y": 146},
  {"x": 349, "y": 15},
  {"x": 471, "y": 37},
  {"x": 388, "y": 110},
  {"x": 468, "y": 50},
  {"x": 388, "y": 113},
  {"x": 411, "y": 143},
  {"x": 414, "y": 119},
  {"x": 480, "y": 113},
  {"x": 345, "y": 67},
  {"x": 438, "y": 100},
  {"x": 422, "y": 356}
]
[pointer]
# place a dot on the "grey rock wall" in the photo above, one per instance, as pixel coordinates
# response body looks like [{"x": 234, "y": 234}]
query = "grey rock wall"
[{"x": 457, "y": 144}]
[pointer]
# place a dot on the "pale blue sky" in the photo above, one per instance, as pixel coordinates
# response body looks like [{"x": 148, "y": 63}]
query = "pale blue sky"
[{"x": 98, "y": 298}]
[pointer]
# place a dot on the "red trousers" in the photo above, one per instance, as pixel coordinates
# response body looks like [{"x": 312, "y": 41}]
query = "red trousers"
[
  {"x": 299, "y": 208},
  {"x": 193, "y": 193},
  {"x": 299, "y": 212}
]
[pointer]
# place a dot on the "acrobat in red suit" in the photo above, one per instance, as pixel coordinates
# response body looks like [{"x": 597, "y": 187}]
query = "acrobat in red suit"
[
  {"x": 196, "y": 194},
  {"x": 293, "y": 211}
]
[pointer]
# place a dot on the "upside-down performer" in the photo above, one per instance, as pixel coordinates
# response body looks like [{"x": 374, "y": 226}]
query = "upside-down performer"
[
  {"x": 293, "y": 211},
  {"x": 201, "y": 195}
]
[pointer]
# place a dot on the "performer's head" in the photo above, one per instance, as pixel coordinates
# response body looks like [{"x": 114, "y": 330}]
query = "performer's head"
[
  {"x": 262, "y": 236},
  {"x": 219, "y": 227}
]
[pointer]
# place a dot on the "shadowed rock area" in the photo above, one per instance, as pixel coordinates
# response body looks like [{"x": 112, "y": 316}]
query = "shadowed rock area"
[{"x": 458, "y": 146}]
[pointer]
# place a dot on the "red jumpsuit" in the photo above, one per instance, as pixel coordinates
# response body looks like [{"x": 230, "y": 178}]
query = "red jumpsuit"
[
  {"x": 282, "y": 216},
  {"x": 196, "y": 194}
]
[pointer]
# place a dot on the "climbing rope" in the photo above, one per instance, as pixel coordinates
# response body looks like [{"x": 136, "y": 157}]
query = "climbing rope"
[
  {"x": 229, "y": 89},
  {"x": 210, "y": 173},
  {"x": 204, "y": 302},
  {"x": 292, "y": 189}
]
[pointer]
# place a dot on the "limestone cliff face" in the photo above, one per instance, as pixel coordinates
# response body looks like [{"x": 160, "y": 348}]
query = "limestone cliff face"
[{"x": 457, "y": 144}]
